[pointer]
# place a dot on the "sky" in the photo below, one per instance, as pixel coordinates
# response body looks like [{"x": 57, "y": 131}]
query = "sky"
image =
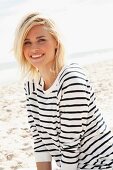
[{"x": 86, "y": 25}]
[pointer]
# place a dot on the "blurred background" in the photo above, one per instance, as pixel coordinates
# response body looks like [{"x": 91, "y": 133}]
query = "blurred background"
[{"x": 86, "y": 27}]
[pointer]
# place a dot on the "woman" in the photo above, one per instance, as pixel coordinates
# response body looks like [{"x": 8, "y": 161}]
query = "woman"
[{"x": 64, "y": 120}]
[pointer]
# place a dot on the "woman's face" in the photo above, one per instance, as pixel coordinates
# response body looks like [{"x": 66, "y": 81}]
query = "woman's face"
[{"x": 39, "y": 47}]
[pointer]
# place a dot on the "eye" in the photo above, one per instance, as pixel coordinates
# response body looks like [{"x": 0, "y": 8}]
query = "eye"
[
  {"x": 27, "y": 43},
  {"x": 41, "y": 40}
]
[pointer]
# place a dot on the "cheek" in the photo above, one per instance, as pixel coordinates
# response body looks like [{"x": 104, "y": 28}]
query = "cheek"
[
  {"x": 51, "y": 48},
  {"x": 25, "y": 52}
]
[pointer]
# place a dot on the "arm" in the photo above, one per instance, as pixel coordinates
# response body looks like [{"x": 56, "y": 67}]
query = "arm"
[
  {"x": 73, "y": 113},
  {"x": 43, "y": 165},
  {"x": 42, "y": 156}
]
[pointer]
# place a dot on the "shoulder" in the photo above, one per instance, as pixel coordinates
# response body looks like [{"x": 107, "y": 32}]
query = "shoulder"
[
  {"x": 74, "y": 79},
  {"x": 30, "y": 86},
  {"x": 73, "y": 73}
]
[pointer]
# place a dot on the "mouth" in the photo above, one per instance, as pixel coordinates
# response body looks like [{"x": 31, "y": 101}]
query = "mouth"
[{"x": 36, "y": 56}]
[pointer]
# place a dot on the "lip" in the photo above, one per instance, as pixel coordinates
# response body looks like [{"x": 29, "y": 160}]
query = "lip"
[{"x": 36, "y": 56}]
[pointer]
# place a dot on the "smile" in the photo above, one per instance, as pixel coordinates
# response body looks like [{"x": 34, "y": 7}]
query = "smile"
[{"x": 37, "y": 56}]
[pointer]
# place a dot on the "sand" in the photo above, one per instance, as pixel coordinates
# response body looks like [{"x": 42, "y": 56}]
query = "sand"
[{"x": 16, "y": 146}]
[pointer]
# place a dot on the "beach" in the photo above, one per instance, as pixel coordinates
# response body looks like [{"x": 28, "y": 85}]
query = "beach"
[{"x": 16, "y": 149}]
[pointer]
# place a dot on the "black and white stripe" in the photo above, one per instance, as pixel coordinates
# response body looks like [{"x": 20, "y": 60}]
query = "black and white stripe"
[{"x": 66, "y": 123}]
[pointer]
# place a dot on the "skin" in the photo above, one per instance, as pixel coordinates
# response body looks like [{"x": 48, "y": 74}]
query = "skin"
[
  {"x": 44, "y": 166},
  {"x": 39, "y": 49}
]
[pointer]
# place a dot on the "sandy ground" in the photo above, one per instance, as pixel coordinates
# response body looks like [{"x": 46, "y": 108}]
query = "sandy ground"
[{"x": 16, "y": 151}]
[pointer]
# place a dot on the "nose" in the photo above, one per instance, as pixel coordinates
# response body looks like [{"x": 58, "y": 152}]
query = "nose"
[{"x": 35, "y": 47}]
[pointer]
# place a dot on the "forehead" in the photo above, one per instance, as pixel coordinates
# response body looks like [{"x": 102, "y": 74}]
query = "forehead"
[{"x": 38, "y": 30}]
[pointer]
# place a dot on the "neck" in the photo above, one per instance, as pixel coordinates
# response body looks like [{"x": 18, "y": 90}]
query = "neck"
[{"x": 49, "y": 78}]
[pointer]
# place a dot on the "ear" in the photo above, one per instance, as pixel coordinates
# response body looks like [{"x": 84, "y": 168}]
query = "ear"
[
  {"x": 57, "y": 44},
  {"x": 55, "y": 50},
  {"x": 57, "y": 47}
]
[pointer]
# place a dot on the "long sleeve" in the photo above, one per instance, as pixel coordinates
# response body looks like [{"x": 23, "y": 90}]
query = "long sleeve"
[
  {"x": 73, "y": 113},
  {"x": 40, "y": 151}
]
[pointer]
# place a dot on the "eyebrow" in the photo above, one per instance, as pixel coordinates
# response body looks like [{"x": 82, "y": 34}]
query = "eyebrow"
[{"x": 42, "y": 36}]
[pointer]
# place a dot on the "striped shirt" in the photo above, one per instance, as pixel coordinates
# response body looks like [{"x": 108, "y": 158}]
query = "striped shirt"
[{"x": 66, "y": 124}]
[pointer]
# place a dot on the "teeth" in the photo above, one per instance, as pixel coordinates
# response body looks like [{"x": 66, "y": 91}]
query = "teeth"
[{"x": 36, "y": 56}]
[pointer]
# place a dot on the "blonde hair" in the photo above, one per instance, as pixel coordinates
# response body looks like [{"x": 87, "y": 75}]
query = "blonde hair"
[{"x": 25, "y": 25}]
